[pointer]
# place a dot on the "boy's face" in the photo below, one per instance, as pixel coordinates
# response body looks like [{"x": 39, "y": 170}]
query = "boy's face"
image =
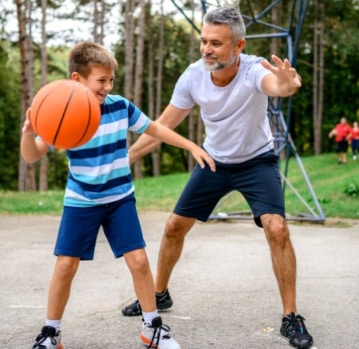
[{"x": 99, "y": 81}]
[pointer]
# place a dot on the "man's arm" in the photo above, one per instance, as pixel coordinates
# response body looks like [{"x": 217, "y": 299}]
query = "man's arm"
[
  {"x": 171, "y": 118},
  {"x": 284, "y": 80}
]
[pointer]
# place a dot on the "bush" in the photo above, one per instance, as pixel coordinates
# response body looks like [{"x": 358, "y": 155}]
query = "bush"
[{"x": 352, "y": 189}]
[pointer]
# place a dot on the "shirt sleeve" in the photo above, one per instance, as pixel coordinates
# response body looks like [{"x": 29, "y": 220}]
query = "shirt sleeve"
[
  {"x": 138, "y": 121},
  {"x": 259, "y": 72},
  {"x": 181, "y": 97}
]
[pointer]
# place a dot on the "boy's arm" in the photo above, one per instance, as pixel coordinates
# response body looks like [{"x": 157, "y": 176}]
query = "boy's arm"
[
  {"x": 32, "y": 149},
  {"x": 168, "y": 136},
  {"x": 171, "y": 117}
]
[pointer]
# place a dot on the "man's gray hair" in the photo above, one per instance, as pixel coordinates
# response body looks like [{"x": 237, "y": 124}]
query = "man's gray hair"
[{"x": 227, "y": 16}]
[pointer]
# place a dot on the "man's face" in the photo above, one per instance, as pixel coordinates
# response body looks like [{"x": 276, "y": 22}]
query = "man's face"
[{"x": 217, "y": 47}]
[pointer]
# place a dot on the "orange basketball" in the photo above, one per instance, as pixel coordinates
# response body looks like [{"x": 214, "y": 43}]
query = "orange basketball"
[{"x": 65, "y": 114}]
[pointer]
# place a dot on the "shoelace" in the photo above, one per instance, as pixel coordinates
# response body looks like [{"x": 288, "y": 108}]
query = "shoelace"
[
  {"x": 41, "y": 338},
  {"x": 295, "y": 324},
  {"x": 157, "y": 336}
]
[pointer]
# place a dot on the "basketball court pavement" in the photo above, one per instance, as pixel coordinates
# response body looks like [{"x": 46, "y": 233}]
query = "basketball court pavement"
[{"x": 225, "y": 295}]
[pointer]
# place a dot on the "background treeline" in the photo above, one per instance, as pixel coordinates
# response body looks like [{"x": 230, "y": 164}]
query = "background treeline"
[{"x": 154, "y": 43}]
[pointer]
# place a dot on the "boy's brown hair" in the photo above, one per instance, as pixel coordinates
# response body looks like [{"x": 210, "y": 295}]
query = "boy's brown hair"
[{"x": 86, "y": 54}]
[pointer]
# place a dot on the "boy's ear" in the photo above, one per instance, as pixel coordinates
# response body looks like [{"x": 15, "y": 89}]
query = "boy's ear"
[{"x": 75, "y": 76}]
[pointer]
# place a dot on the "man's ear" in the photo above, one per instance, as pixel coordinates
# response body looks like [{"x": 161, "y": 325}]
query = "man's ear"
[{"x": 240, "y": 45}]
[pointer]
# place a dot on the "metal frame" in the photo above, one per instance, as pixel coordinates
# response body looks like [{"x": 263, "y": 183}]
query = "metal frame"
[{"x": 283, "y": 141}]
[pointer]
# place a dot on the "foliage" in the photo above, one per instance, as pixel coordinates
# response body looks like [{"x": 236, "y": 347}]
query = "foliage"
[
  {"x": 329, "y": 181},
  {"x": 341, "y": 76},
  {"x": 176, "y": 60},
  {"x": 9, "y": 118},
  {"x": 352, "y": 189}
]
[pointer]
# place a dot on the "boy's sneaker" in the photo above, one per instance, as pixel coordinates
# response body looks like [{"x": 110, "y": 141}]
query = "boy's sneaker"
[
  {"x": 163, "y": 301},
  {"x": 158, "y": 335},
  {"x": 293, "y": 328},
  {"x": 49, "y": 338}
]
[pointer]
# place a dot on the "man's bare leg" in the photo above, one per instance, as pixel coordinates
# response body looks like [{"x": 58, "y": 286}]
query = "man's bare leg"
[
  {"x": 283, "y": 259},
  {"x": 171, "y": 247}
]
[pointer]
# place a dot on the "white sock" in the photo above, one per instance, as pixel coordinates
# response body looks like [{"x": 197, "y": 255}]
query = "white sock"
[
  {"x": 148, "y": 317},
  {"x": 53, "y": 323}
]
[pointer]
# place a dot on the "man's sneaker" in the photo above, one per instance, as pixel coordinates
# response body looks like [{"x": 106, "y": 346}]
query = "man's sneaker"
[
  {"x": 163, "y": 301},
  {"x": 49, "y": 338},
  {"x": 293, "y": 328},
  {"x": 158, "y": 335}
]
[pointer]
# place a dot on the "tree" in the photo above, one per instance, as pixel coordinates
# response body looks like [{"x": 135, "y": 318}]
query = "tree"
[
  {"x": 139, "y": 72},
  {"x": 156, "y": 153},
  {"x": 24, "y": 9},
  {"x": 43, "y": 185},
  {"x": 318, "y": 76},
  {"x": 99, "y": 20},
  {"x": 327, "y": 57},
  {"x": 194, "y": 118}
]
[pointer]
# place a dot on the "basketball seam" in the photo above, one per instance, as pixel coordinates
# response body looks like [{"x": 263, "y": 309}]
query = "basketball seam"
[
  {"x": 63, "y": 113},
  {"x": 42, "y": 102},
  {"x": 88, "y": 119}
]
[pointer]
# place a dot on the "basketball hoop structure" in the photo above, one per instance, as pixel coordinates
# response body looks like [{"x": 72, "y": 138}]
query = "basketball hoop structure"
[{"x": 259, "y": 26}]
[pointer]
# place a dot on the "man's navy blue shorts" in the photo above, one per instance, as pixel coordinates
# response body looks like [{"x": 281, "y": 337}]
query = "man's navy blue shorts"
[
  {"x": 80, "y": 226},
  {"x": 258, "y": 180}
]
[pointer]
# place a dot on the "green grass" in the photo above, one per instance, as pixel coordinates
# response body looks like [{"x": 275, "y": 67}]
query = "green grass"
[{"x": 336, "y": 187}]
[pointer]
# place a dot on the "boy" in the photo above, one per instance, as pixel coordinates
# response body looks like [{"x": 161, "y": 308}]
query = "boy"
[{"x": 99, "y": 192}]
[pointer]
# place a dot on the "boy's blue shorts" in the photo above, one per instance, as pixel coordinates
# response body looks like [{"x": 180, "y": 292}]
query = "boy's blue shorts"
[
  {"x": 79, "y": 229},
  {"x": 257, "y": 179}
]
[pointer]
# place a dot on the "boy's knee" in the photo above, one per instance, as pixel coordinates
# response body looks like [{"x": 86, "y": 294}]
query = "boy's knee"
[
  {"x": 66, "y": 266},
  {"x": 137, "y": 261}
]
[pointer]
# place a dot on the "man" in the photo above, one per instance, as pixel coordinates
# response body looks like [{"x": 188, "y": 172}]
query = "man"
[
  {"x": 342, "y": 132},
  {"x": 232, "y": 91}
]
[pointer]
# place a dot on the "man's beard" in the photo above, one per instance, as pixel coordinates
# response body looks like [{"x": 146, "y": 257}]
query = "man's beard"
[{"x": 217, "y": 65}]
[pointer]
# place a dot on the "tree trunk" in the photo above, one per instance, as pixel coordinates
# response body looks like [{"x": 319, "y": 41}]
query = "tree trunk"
[
  {"x": 26, "y": 171},
  {"x": 43, "y": 182},
  {"x": 139, "y": 74},
  {"x": 318, "y": 77},
  {"x": 98, "y": 20},
  {"x": 129, "y": 45},
  {"x": 192, "y": 117},
  {"x": 156, "y": 153}
]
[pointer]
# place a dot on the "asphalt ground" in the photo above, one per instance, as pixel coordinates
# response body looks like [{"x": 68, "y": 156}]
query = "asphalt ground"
[{"x": 224, "y": 291}]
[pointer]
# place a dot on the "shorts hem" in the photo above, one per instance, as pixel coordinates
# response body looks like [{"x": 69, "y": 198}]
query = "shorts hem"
[
  {"x": 73, "y": 255},
  {"x": 257, "y": 218},
  {"x": 129, "y": 249},
  {"x": 189, "y": 215}
]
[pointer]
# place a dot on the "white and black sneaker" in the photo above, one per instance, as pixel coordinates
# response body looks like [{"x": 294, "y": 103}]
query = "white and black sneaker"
[
  {"x": 49, "y": 338},
  {"x": 157, "y": 335}
]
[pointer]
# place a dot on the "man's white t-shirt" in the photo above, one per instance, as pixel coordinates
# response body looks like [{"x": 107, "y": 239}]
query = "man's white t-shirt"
[{"x": 235, "y": 116}]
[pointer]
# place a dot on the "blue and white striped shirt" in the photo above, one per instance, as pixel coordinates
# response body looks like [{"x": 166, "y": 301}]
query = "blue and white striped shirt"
[{"x": 99, "y": 171}]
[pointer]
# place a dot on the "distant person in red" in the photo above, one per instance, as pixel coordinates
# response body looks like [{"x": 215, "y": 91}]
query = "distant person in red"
[
  {"x": 354, "y": 138},
  {"x": 342, "y": 133}
]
